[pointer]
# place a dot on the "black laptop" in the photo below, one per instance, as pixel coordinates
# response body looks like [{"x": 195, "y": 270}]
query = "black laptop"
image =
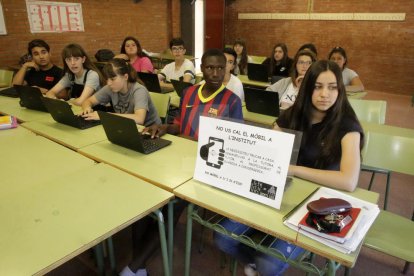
[
  {"x": 9, "y": 92},
  {"x": 257, "y": 72},
  {"x": 124, "y": 132},
  {"x": 30, "y": 97},
  {"x": 152, "y": 83},
  {"x": 62, "y": 113},
  {"x": 262, "y": 101},
  {"x": 179, "y": 86}
]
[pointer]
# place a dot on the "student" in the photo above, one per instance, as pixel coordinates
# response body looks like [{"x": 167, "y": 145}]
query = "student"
[
  {"x": 180, "y": 69},
  {"x": 127, "y": 97},
  {"x": 242, "y": 58},
  {"x": 329, "y": 153},
  {"x": 279, "y": 62},
  {"x": 288, "y": 88},
  {"x": 40, "y": 71},
  {"x": 81, "y": 76},
  {"x": 351, "y": 79},
  {"x": 310, "y": 47},
  {"x": 131, "y": 50},
  {"x": 231, "y": 82},
  {"x": 212, "y": 99}
]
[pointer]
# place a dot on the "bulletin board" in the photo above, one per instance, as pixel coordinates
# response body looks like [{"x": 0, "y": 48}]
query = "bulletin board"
[
  {"x": 3, "y": 30},
  {"x": 54, "y": 17}
]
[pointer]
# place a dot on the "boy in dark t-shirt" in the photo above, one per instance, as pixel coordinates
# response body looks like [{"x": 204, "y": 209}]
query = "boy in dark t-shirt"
[{"x": 40, "y": 71}]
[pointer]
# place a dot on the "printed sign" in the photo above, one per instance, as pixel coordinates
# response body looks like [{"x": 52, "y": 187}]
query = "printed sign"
[
  {"x": 45, "y": 16},
  {"x": 246, "y": 160}
]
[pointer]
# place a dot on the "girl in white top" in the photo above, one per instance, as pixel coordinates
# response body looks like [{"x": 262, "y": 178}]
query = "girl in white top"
[
  {"x": 81, "y": 78},
  {"x": 350, "y": 78},
  {"x": 242, "y": 58},
  {"x": 288, "y": 88}
]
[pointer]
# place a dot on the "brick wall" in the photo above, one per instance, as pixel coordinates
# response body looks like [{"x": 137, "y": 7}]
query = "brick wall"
[
  {"x": 107, "y": 23},
  {"x": 382, "y": 53}
]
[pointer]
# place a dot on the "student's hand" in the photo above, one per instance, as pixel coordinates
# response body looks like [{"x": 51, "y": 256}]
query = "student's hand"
[
  {"x": 298, "y": 80},
  {"x": 122, "y": 56},
  {"x": 31, "y": 64},
  {"x": 50, "y": 94},
  {"x": 155, "y": 130},
  {"x": 77, "y": 102},
  {"x": 90, "y": 116},
  {"x": 87, "y": 110}
]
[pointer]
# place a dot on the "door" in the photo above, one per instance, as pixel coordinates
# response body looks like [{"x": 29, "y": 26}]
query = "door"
[{"x": 214, "y": 24}]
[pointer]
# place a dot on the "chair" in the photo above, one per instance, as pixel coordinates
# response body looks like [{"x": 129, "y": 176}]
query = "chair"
[
  {"x": 162, "y": 104},
  {"x": 385, "y": 153},
  {"x": 369, "y": 110},
  {"x": 392, "y": 234},
  {"x": 6, "y": 78}
]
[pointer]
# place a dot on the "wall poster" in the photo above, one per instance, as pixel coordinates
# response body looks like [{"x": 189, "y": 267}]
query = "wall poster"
[{"x": 51, "y": 17}]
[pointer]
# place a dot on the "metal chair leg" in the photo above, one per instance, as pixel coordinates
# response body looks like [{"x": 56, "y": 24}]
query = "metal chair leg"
[
  {"x": 163, "y": 240},
  {"x": 371, "y": 181},
  {"x": 406, "y": 268},
  {"x": 99, "y": 258},
  {"x": 111, "y": 255},
  {"x": 387, "y": 189}
]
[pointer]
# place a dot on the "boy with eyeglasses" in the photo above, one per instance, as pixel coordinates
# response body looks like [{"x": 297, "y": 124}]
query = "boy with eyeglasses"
[
  {"x": 39, "y": 71},
  {"x": 180, "y": 69}
]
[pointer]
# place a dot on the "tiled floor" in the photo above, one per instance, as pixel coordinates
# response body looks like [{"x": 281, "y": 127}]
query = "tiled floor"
[{"x": 399, "y": 113}]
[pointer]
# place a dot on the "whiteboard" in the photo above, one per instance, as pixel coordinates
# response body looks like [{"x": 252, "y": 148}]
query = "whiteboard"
[{"x": 2, "y": 25}]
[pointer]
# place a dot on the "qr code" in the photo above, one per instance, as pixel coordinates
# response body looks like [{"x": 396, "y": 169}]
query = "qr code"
[{"x": 263, "y": 189}]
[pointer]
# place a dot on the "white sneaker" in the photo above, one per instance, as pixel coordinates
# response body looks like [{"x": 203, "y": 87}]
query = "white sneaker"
[
  {"x": 141, "y": 272},
  {"x": 250, "y": 270}
]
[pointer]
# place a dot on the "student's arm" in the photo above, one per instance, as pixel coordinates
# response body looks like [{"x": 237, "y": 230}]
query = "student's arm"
[
  {"x": 160, "y": 130},
  {"x": 355, "y": 86},
  {"x": 86, "y": 93},
  {"x": 52, "y": 93},
  {"x": 19, "y": 76},
  {"x": 347, "y": 176},
  {"x": 187, "y": 78},
  {"x": 88, "y": 104},
  {"x": 138, "y": 116}
]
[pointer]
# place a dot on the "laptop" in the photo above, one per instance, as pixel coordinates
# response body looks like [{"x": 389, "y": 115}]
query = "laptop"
[
  {"x": 9, "y": 92},
  {"x": 62, "y": 113},
  {"x": 152, "y": 83},
  {"x": 179, "y": 86},
  {"x": 262, "y": 101},
  {"x": 257, "y": 72},
  {"x": 30, "y": 97},
  {"x": 124, "y": 132}
]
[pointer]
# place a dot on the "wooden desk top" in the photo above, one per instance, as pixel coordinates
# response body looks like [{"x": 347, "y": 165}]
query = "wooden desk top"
[
  {"x": 11, "y": 106},
  {"x": 258, "y": 118},
  {"x": 388, "y": 129},
  {"x": 264, "y": 218},
  {"x": 167, "y": 168},
  {"x": 66, "y": 135},
  {"x": 30, "y": 158},
  {"x": 245, "y": 80},
  {"x": 56, "y": 219}
]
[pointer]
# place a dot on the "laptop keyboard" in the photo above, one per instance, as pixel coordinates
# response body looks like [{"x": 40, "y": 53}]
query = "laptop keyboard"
[
  {"x": 87, "y": 123},
  {"x": 150, "y": 145}
]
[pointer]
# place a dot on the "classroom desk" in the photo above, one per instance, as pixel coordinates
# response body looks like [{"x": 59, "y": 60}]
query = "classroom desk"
[
  {"x": 174, "y": 99},
  {"x": 257, "y": 117},
  {"x": 11, "y": 106},
  {"x": 66, "y": 135},
  {"x": 166, "y": 168},
  {"x": 246, "y": 82},
  {"x": 356, "y": 95},
  {"x": 261, "y": 217},
  {"x": 28, "y": 156},
  {"x": 56, "y": 219}
]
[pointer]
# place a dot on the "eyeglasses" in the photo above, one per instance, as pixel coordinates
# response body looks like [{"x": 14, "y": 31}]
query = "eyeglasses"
[
  {"x": 177, "y": 49},
  {"x": 301, "y": 62}
]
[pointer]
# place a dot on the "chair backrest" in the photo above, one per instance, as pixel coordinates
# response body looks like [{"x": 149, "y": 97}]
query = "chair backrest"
[
  {"x": 257, "y": 59},
  {"x": 6, "y": 78},
  {"x": 162, "y": 104},
  {"x": 369, "y": 110},
  {"x": 386, "y": 151}
]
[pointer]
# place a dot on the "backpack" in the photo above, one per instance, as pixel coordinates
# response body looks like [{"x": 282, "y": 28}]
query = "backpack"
[{"x": 104, "y": 55}]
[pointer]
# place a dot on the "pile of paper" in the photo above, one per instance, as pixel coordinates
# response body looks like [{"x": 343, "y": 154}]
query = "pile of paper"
[{"x": 350, "y": 242}]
